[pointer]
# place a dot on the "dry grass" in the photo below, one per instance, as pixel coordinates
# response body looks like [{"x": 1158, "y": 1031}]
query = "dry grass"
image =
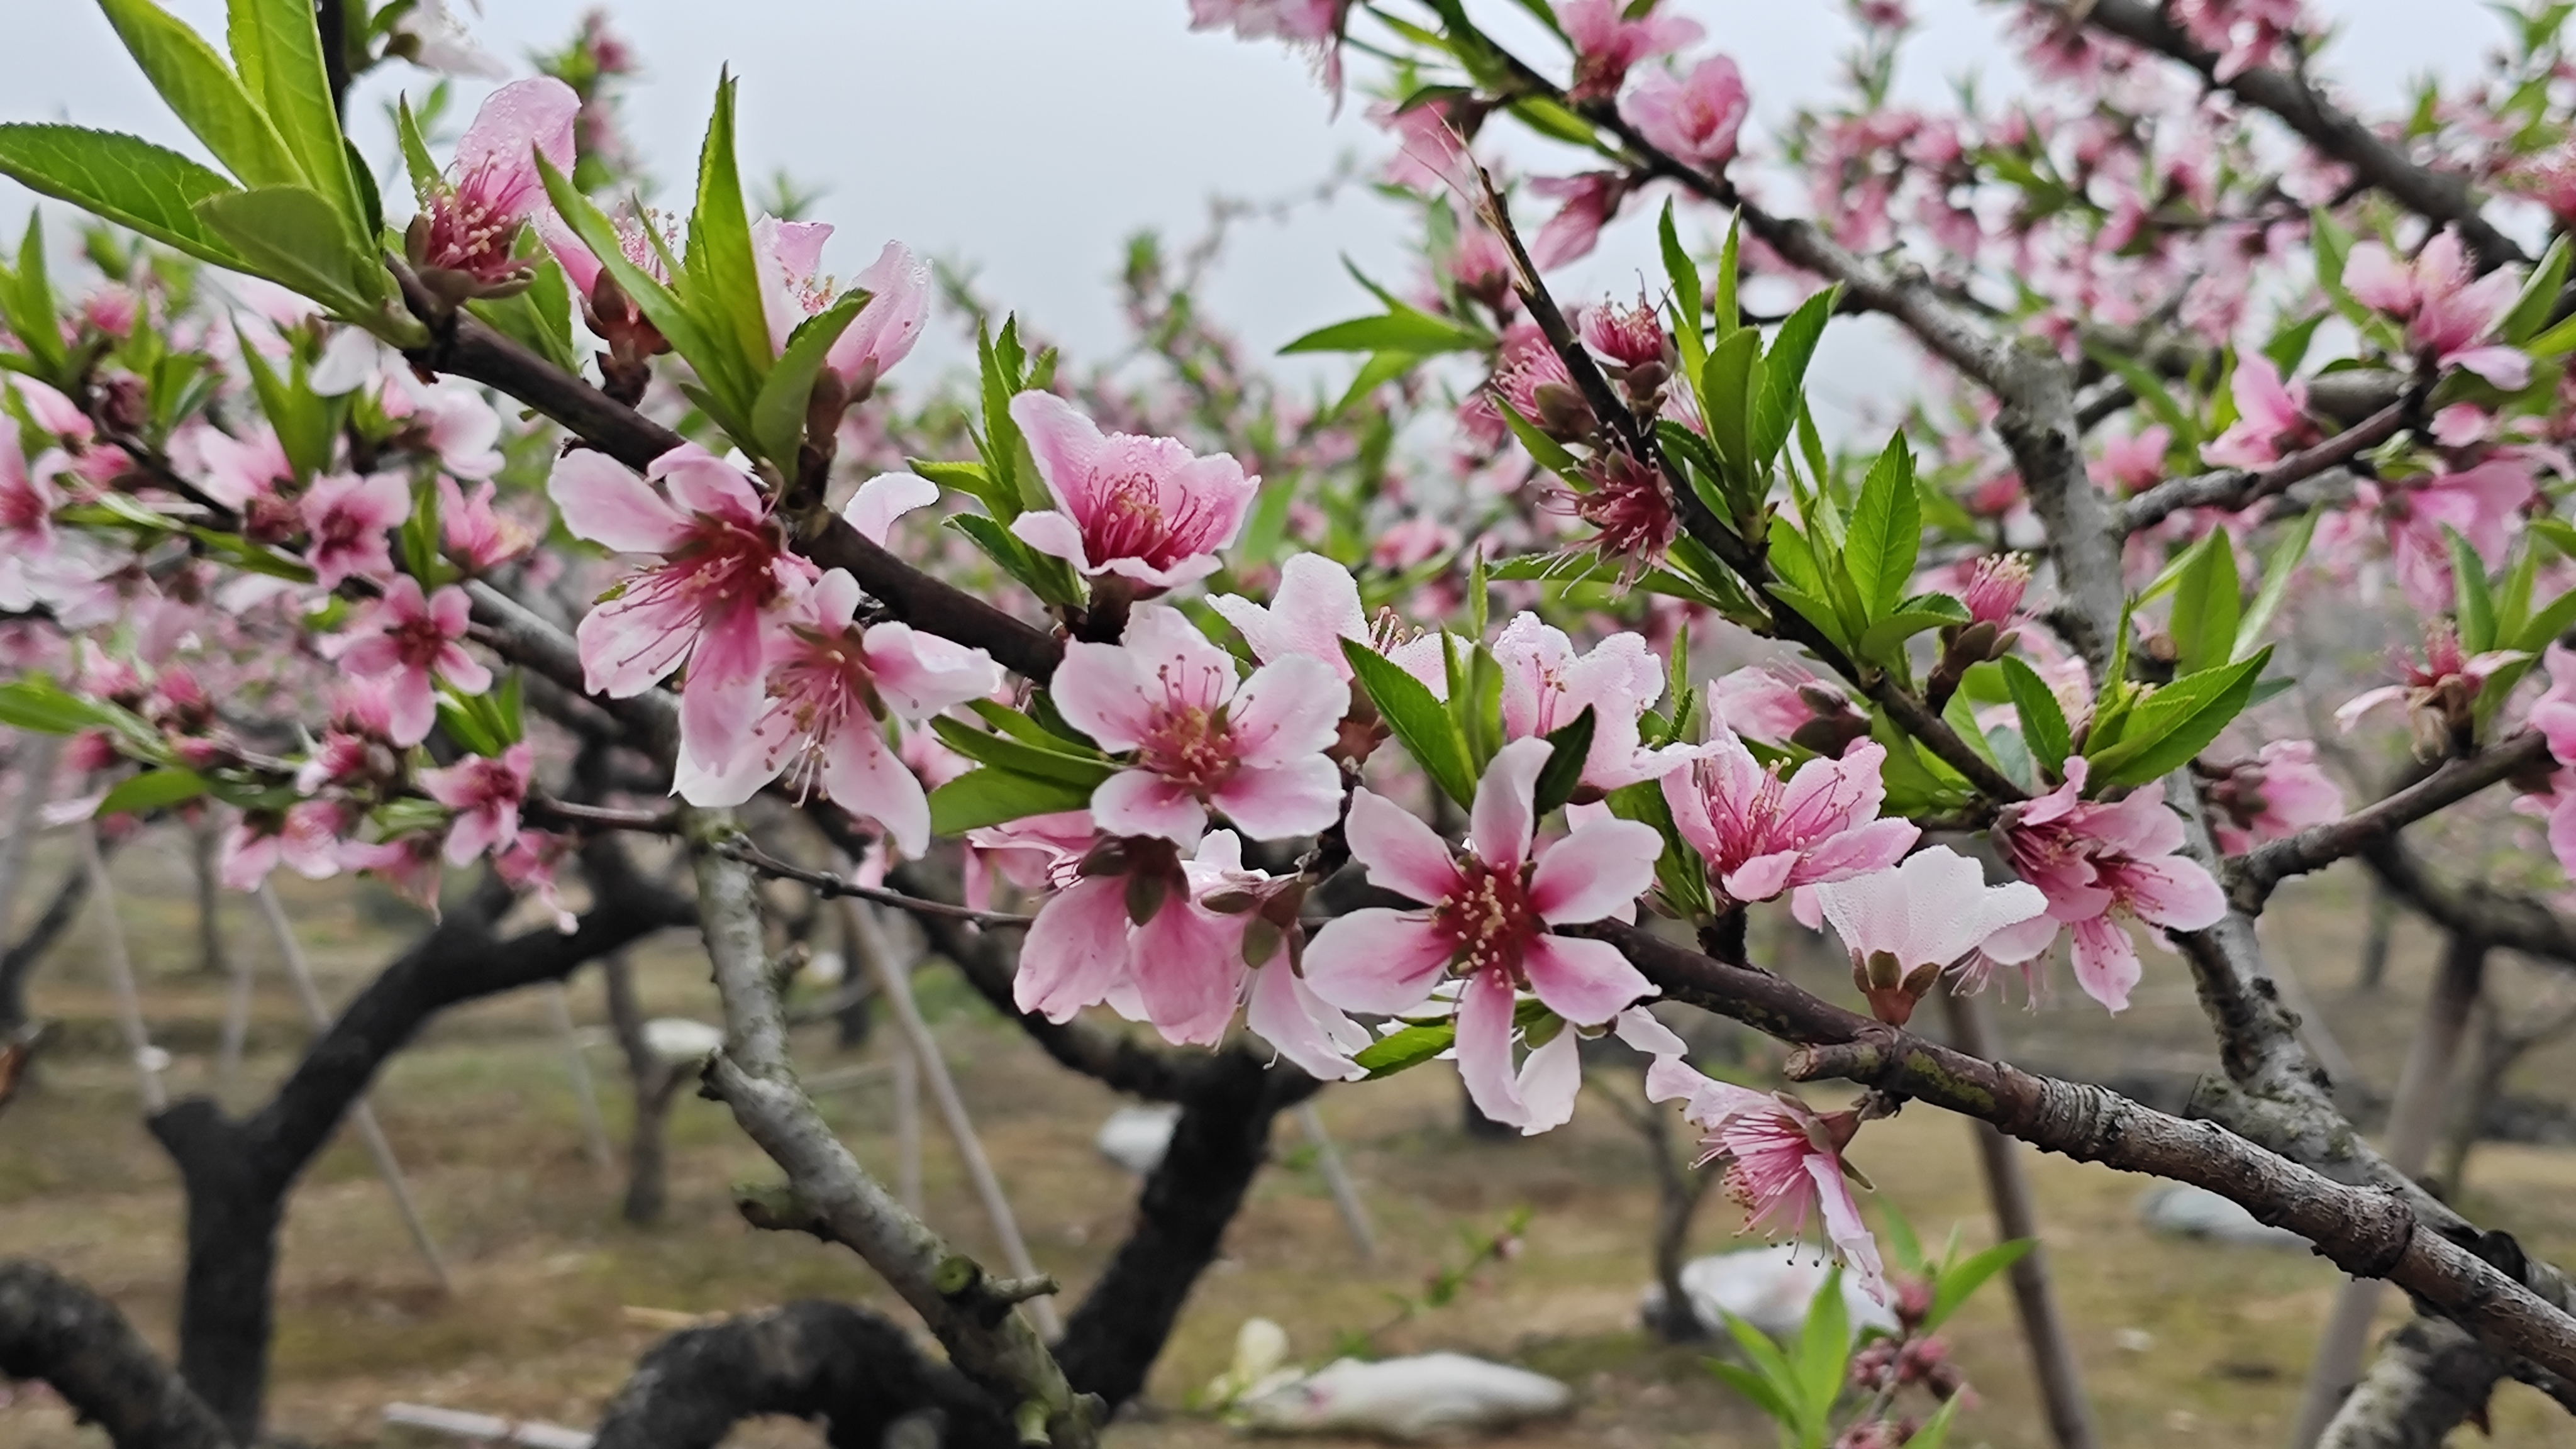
[{"x": 485, "y": 1122}]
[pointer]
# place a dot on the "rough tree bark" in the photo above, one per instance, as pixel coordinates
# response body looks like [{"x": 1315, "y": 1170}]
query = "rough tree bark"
[
  {"x": 237, "y": 1172},
  {"x": 18, "y": 963},
  {"x": 54, "y": 1329}
]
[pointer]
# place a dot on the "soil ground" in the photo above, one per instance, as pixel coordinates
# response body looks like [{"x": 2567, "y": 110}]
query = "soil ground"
[{"x": 2181, "y": 1343}]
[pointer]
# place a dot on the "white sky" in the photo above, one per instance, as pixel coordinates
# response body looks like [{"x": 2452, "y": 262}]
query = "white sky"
[{"x": 1030, "y": 137}]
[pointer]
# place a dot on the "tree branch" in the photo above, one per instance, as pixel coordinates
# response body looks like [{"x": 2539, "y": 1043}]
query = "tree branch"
[
  {"x": 2236, "y": 488},
  {"x": 2439, "y": 197},
  {"x": 2430, "y": 1375},
  {"x": 2254, "y": 874},
  {"x": 53, "y": 1329}
]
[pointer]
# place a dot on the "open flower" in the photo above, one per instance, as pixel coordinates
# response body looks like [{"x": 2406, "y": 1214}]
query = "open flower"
[
  {"x": 305, "y": 838},
  {"x": 410, "y": 641},
  {"x": 1761, "y": 835},
  {"x": 1905, "y": 926},
  {"x": 1693, "y": 118},
  {"x": 1783, "y": 1163},
  {"x": 1253, "y": 750},
  {"x": 2101, "y": 863},
  {"x": 1608, "y": 39},
  {"x": 2448, "y": 312},
  {"x": 723, "y": 574},
  {"x": 1489, "y": 924},
  {"x": 1255, "y": 915},
  {"x": 2275, "y": 795},
  {"x": 1145, "y": 510},
  {"x": 1315, "y": 607},
  {"x": 1546, "y": 685},
  {"x": 468, "y": 225},
  {"x": 476, "y": 535},
  {"x": 831, "y": 686},
  {"x": 485, "y": 792},
  {"x": 2269, "y": 414},
  {"x": 349, "y": 518},
  {"x": 2440, "y": 693},
  {"x": 788, "y": 256}
]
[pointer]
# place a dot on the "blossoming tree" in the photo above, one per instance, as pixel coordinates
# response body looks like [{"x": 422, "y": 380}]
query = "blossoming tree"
[{"x": 537, "y": 519}]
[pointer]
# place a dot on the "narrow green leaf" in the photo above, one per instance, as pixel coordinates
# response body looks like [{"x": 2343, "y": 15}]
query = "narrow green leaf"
[
  {"x": 1726, "y": 316},
  {"x": 2278, "y": 571},
  {"x": 2539, "y": 295},
  {"x": 1683, "y": 274},
  {"x": 37, "y": 703},
  {"x": 1405, "y": 1047},
  {"x": 1824, "y": 1347},
  {"x": 2044, "y": 730},
  {"x": 291, "y": 236},
  {"x": 1726, "y": 387},
  {"x": 724, "y": 280},
  {"x": 1784, "y": 371},
  {"x": 1547, "y": 452},
  {"x": 151, "y": 790},
  {"x": 658, "y": 303},
  {"x": 2207, "y": 605},
  {"x": 2474, "y": 603},
  {"x": 988, "y": 796},
  {"x": 277, "y": 48},
  {"x": 1886, "y": 533},
  {"x": 2177, "y": 722},
  {"x": 417, "y": 162},
  {"x": 130, "y": 182},
  {"x": 1957, "y": 1283},
  {"x": 208, "y": 99},
  {"x": 1050, "y": 578},
  {"x": 1420, "y": 722},
  {"x": 1021, "y": 757},
  {"x": 1402, "y": 329},
  {"x": 778, "y": 413},
  {"x": 1569, "y": 746}
]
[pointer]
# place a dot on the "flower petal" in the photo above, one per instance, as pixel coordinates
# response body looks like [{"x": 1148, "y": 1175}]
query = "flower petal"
[
  {"x": 1587, "y": 982},
  {"x": 1377, "y": 960},
  {"x": 1401, "y": 853},
  {"x": 603, "y": 501},
  {"x": 1597, "y": 871}
]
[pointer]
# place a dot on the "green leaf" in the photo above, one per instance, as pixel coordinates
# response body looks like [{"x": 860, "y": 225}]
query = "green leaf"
[
  {"x": 2278, "y": 571},
  {"x": 417, "y": 162},
  {"x": 2176, "y": 723},
  {"x": 291, "y": 236},
  {"x": 1824, "y": 1347},
  {"x": 1886, "y": 533},
  {"x": 724, "y": 282},
  {"x": 122, "y": 179},
  {"x": 1052, "y": 579},
  {"x": 151, "y": 790},
  {"x": 778, "y": 413},
  {"x": 1752, "y": 1386},
  {"x": 2474, "y": 604},
  {"x": 1405, "y": 1047},
  {"x": 1547, "y": 452},
  {"x": 1417, "y": 717},
  {"x": 1401, "y": 329},
  {"x": 1683, "y": 274},
  {"x": 2207, "y": 605},
  {"x": 1021, "y": 757},
  {"x": 1784, "y": 370},
  {"x": 659, "y": 304},
  {"x": 277, "y": 47},
  {"x": 989, "y": 796},
  {"x": 2044, "y": 730},
  {"x": 208, "y": 99},
  {"x": 37, "y": 703},
  {"x": 1935, "y": 1433},
  {"x": 1568, "y": 747},
  {"x": 1957, "y": 1283},
  {"x": 540, "y": 318},
  {"x": 1726, "y": 387},
  {"x": 2547, "y": 624},
  {"x": 1883, "y": 640},
  {"x": 2539, "y": 295},
  {"x": 1723, "y": 311}
]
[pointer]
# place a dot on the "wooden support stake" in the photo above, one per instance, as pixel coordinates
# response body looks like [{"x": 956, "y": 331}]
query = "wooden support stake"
[
  {"x": 120, "y": 972},
  {"x": 361, "y": 1116},
  {"x": 594, "y": 1127},
  {"x": 873, "y": 950},
  {"x": 2052, "y": 1354},
  {"x": 1346, "y": 1193}
]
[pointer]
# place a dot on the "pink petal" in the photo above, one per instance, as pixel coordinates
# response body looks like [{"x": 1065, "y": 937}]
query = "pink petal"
[
  {"x": 730, "y": 779},
  {"x": 1377, "y": 960},
  {"x": 2175, "y": 893},
  {"x": 412, "y": 706},
  {"x": 1140, "y": 802},
  {"x": 1586, "y": 982},
  {"x": 626, "y": 649},
  {"x": 1188, "y": 968},
  {"x": 1285, "y": 1012},
  {"x": 1276, "y": 802},
  {"x": 1762, "y": 877},
  {"x": 2106, "y": 962},
  {"x": 1550, "y": 1078},
  {"x": 701, "y": 482},
  {"x": 1597, "y": 871},
  {"x": 1505, "y": 816},
  {"x": 1064, "y": 443},
  {"x": 1851, "y": 1239},
  {"x": 2507, "y": 367},
  {"x": 863, "y": 777},
  {"x": 918, "y": 675},
  {"x": 2023, "y": 939},
  {"x": 722, "y": 696},
  {"x": 1076, "y": 949},
  {"x": 1054, "y": 534},
  {"x": 2378, "y": 280},
  {"x": 1485, "y": 1012},
  {"x": 525, "y": 116},
  {"x": 1100, "y": 689},
  {"x": 1401, "y": 853},
  {"x": 883, "y": 499},
  {"x": 604, "y": 502},
  {"x": 1288, "y": 709}
]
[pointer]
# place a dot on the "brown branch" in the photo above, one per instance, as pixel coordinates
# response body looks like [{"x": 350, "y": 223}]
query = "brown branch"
[
  {"x": 56, "y": 1330},
  {"x": 837, "y": 885},
  {"x": 2236, "y": 488},
  {"x": 464, "y": 347},
  {"x": 2364, "y": 1231},
  {"x": 2440, "y": 197},
  {"x": 2508, "y": 919},
  {"x": 2253, "y": 875}
]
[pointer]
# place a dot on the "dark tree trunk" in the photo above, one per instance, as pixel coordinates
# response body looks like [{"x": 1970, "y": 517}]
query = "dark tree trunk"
[
  {"x": 238, "y": 1171},
  {"x": 809, "y": 1360},
  {"x": 53, "y": 1329},
  {"x": 18, "y": 962}
]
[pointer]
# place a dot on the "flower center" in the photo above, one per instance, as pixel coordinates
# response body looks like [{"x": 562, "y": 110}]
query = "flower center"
[
  {"x": 1131, "y": 522},
  {"x": 1192, "y": 746},
  {"x": 1490, "y": 920}
]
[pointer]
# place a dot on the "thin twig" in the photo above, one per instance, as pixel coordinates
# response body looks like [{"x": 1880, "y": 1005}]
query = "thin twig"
[{"x": 837, "y": 885}]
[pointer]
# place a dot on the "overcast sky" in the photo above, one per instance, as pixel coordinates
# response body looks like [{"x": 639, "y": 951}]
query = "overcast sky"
[{"x": 1030, "y": 137}]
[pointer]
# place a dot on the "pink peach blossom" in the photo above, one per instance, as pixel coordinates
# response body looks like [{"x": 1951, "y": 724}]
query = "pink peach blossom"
[
  {"x": 1783, "y": 1163},
  {"x": 1315, "y": 607},
  {"x": 2103, "y": 862},
  {"x": 723, "y": 576},
  {"x": 305, "y": 838},
  {"x": 2447, "y": 311},
  {"x": 1488, "y": 924},
  {"x": 411, "y": 641},
  {"x": 2277, "y": 794},
  {"x": 1144, "y": 510},
  {"x": 1693, "y": 118},
  {"x": 1607, "y": 41},
  {"x": 1253, "y": 750},
  {"x": 485, "y": 792},
  {"x": 831, "y": 686},
  {"x": 349, "y": 518},
  {"x": 1546, "y": 685},
  {"x": 1906, "y": 925},
  {"x": 788, "y": 256},
  {"x": 2267, "y": 413},
  {"x": 475, "y": 534},
  {"x": 470, "y": 221},
  {"x": 1761, "y": 835}
]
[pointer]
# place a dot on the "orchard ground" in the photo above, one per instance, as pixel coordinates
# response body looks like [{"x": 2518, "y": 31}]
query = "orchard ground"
[{"x": 2181, "y": 1342}]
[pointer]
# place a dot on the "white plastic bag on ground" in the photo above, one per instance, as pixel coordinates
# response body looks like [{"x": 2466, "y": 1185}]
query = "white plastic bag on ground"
[
  {"x": 2194, "y": 1212},
  {"x": 1136, "y": 1137},
  {"x": 1430, "y": 1395},
  {"x": 1769, "y": 1288}
]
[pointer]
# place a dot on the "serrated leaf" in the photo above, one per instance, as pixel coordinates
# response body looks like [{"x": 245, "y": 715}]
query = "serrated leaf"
[
  {"x": 205, "y": 94},
  {"x": 2207, "y": 605},
  {"x": 2176, "y": 723},
  {"x": 1420, "y": 722},
  {"x": 1784, "y": 370},
  {"x": 1405, "y": 1047},
  {"x": 657, "y": 302},
  {"x": 778, "y": 412},
  {"x": 122, "y": 179},
  {"x": 989, "y": 796},
  {"x": 291, "y": 236},
  {"x": 1886, "y": 531},
  {"x": 277, "y": 48},
  {"x": 1402, "y": 329},
  {"x": 2044, "y": 730},
  {"x": 724, "y": 280},
  {"x": 1022, "y": 757}
]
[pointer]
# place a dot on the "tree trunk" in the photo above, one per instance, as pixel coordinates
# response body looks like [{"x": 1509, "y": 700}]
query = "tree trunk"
[
  {"x": 18, "y": 962},
  {"x": 53, "y": 1329},
  {"x": 225, "y": 1300}
]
